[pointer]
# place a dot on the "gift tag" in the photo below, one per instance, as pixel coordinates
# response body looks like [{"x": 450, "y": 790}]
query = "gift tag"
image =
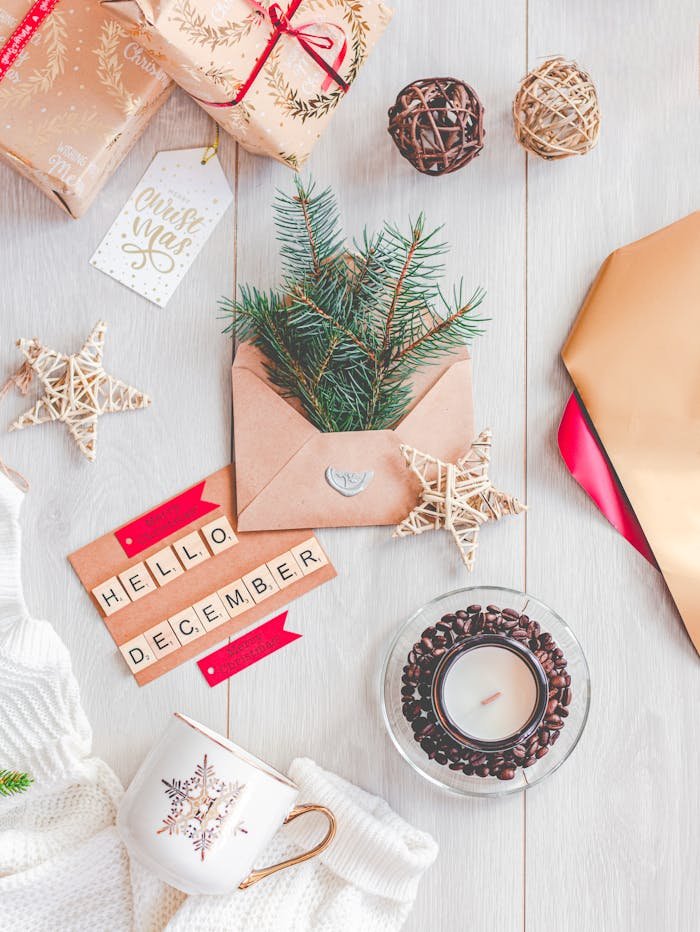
[{"x": 165, "y": 223}]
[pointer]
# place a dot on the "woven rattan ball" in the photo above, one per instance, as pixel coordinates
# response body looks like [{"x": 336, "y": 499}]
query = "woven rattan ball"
[
  {"x": 556, "y": 112},
  {"x": 437, "y": 124}
]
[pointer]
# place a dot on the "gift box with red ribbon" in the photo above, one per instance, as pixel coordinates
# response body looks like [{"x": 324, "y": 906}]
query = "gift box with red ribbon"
[
  {"x": 75, "y": 93},
  {"x": 271, "y": 74}
]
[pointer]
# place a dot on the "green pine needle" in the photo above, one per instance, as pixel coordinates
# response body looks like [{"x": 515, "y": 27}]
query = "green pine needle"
[
  {"x": 12, "y": 781},
  {"x": 349, "y": 327}
]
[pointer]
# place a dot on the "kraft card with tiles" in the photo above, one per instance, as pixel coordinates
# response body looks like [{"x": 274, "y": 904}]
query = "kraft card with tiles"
[{"x": 179, "y": 578}]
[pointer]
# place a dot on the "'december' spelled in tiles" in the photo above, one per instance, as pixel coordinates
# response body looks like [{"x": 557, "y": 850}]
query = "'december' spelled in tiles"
[
  {"x": 187, "y": 625},
  {"x": 191, "y": 550},
  {"x": 236, "y": 598},
  {"x": 219, "y": 535},
  {"x": 164, "y": 566},
  {"x": 161, "y": 639},
  {"x": 309, "y": 556},
  {"x": 137, "y": 653},
  {"x": 211, "y": 611},
  {"x": 260, "y": 583},
  {"x": 111, "y": 596},
  {"x": 137, "y": 581},
  {"x": 285, "y": 569}
]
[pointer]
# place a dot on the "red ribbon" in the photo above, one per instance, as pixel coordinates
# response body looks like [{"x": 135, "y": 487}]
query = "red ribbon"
[
  {"x": 164, "y": 520},
  {"x": 309, "y": 40},
  {"x": 588, "y": 463},
  {"x": 246, "y": 650},
  {"x": 11, "y": 50}
]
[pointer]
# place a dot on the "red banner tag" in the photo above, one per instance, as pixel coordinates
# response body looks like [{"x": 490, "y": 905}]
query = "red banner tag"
[
  {"x": 164, "y": 520},
  {"x": 246, "y": 650},
  {"x": 10, "y": 51}
]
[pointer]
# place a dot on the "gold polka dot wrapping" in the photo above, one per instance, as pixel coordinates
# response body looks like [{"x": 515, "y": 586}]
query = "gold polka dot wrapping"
[{"x": 556, "y": 112}]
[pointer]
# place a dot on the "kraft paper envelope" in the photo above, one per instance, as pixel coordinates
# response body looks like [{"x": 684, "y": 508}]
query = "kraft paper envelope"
[
  {"x": 281, "y": 458},
  {"x": 634, "y": 356}
]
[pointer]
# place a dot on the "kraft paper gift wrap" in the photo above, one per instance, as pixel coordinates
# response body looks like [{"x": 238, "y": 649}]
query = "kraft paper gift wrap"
[
  {"x": 281, "y": 458},
  {"x": 75, "y": 100},
  {"x": 271, "y": 74},
  {"x": 634, "y": 357}
]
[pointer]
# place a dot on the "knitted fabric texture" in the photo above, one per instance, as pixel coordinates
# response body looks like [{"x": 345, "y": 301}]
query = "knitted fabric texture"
[{"x": 63, "y": 867}]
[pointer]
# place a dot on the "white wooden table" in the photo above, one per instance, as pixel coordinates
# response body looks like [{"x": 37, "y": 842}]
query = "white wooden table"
[{"x": 611, "y": 841}]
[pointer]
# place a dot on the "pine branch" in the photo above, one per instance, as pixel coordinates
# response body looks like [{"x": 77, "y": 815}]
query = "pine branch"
[
  {"x": 12, "y": 782},
  {"x": 398, "y": 289},
  {"x": 299, "y": 295}
]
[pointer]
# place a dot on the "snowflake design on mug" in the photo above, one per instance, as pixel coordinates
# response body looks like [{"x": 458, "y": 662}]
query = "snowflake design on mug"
[{"x": 199, "y": 807}]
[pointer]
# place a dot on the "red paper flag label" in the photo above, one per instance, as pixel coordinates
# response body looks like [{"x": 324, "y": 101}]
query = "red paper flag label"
[
  {"x": 164, "y": 520},
  {"x": 246, "y": 650}
]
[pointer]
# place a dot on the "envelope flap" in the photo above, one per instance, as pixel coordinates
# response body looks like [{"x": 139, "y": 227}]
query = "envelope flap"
[{"x": 267, "y": 432}]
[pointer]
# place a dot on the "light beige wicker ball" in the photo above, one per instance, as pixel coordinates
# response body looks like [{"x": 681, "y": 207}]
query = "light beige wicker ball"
[{"x": 556, "y": 112}]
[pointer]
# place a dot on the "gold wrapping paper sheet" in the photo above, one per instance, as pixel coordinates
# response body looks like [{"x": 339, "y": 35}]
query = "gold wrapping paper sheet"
[
  {"x": 210, "y": 47},
  {"x": 634, "y": 356},
  {"x": 75, "y": 101}
]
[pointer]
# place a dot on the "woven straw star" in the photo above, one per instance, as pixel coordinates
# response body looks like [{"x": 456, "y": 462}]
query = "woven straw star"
[
  {"x": 77, "y": 390},
  {"x": 457, "y": 496}
]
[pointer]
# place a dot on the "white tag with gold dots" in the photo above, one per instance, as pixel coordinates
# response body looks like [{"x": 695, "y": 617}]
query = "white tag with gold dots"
[{"x": 168, "y": 218}]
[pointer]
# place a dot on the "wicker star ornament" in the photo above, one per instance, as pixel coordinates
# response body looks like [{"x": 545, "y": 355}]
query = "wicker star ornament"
[
  {"x": 457, "y": 496},
  {"x": 77, "y": 390}
]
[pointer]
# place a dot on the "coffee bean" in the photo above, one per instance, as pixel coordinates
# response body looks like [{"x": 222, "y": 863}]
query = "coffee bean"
[
  {"x": 524, "y": 621},
  {"x": 541, "y": 752},
  {"x": 563, "y": 713},
  {"x": 428, "y": 745},
  {"x": 493, "y": 609},
  {"x": 477, "y": 759},
  {"x": 528, "y": 762},
  {"x": 427, "y": 729},
  {"x": 558, "y": 682},
  {"x": 554, "y": 738},
  {"x": 509, "y": 623},
  {"x": 483, "y": 771},
  {"x": 418, "y": 724},
  {"x": 439, "y": 641},
  {"x": 506, "y": 774},
  {"x": 461, "y": 614},
  {"x": 519, "y": 752},
  {"x": 474, "y": 609},
  {"x": 441, "y": 758},
  {"x": 468, "y": 770},
  {"x": 407, "y": 690},
  {"x": 543, "y": 735},
  {"x": 520, "y": 634},
  {"x": 551, "y": 706},
  {"x": 429, "y": 632},
  {"x": 566, "y": 696},
  {"x": 426, "y": 704},
  {"x": 455, "y": 765},
  {"x": 458, "y": 626}
]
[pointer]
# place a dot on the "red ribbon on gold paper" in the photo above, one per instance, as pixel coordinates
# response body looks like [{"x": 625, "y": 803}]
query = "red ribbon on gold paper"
[
  {"x": 33, "y": 19},
  {"x": 307, "y": 39}
]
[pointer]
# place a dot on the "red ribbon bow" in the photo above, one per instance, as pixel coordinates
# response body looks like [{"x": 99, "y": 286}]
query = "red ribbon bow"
[{"x": 307, "y": 39}]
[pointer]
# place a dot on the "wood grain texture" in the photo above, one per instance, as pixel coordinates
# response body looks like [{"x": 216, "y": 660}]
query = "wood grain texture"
[{"x": 609, "y": 842}]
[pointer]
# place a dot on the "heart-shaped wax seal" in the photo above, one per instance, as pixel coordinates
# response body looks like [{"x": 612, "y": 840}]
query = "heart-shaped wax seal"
[{"x": 348, "y": 483}]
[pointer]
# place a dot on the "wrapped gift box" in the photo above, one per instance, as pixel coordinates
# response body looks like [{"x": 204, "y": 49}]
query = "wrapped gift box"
[
  {"x": 75, "y": 100},
  {"x": 270, "y": 74}
]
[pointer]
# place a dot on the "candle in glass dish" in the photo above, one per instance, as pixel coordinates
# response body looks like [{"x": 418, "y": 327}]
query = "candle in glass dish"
[{"x": 490, "y": 692}]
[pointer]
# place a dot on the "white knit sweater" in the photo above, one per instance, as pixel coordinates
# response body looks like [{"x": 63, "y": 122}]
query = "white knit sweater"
[{"x": 62, "y": 865}]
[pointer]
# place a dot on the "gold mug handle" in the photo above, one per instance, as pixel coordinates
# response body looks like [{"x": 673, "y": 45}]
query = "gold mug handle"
[{"x": 297, "y": 811}]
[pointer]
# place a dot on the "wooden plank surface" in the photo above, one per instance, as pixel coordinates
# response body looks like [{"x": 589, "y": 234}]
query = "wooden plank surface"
[{"x": 609, "y": 842}]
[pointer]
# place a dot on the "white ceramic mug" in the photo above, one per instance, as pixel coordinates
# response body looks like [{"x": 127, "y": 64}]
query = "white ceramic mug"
[{"x": 200, "y": 810}]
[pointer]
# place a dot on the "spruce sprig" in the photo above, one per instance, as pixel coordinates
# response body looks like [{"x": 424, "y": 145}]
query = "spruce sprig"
[
  {"x": 12, "y": 781},
  {"x": 349, "y": 327}
]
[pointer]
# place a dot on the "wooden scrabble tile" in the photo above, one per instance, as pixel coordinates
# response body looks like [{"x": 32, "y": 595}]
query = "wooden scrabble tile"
[
  {"x": 309, "y": 556},
  {"x": 211, "y": 611},
  {"x": 111, "y": 596},
  {"x": 137, "y": 653},
  {"x": 187, "y": 625},
  {"x": 165, "y": 566},
  {"x": 236, "y": 598},
  {"x": 284, "y": 569},
  {"x": 219, "y": 535},
  {"x": 161, "y": 639},
  {"x": 191, "y": 550},
  {"x": 260, "y": 583},
  {"x": 137, "y": 581}
]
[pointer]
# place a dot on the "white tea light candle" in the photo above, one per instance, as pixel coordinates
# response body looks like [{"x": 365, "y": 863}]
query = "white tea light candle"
[{"x": 489, "y": 693}]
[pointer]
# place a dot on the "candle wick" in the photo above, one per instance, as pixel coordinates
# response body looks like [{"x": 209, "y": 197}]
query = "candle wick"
[{"x": 491, "y": 698}]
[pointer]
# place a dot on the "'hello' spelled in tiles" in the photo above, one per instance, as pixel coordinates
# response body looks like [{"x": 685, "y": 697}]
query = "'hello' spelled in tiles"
[
  {"x": 191, "y": 550},
  {"x": 260, "y": 583},
  {"x": 161, "y": 639},
  {"x": 137, "y": 653},
  {"x": 137, "y": 581},
  {"x": 164, "y": 566},
  {"x": 211, "y": 611},
  {"x": 111, "y": 596},
  {"x": 285, "y": 569},
  {"x": 236, "y": 598},
  {"x": 187, "y": 625},
  {"x": 219, "y": 535}
]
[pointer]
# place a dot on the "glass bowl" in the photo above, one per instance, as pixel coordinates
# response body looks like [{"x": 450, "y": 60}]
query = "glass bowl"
[{"x": 401, "y": 732}]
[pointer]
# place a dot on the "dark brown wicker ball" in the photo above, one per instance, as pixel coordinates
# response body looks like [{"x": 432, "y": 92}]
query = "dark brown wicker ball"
[{"x": 437, "y": 124}]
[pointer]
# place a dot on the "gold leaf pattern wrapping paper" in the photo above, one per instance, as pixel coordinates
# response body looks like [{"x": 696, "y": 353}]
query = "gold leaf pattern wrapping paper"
[
  {"x": 75, "y": 101},
  {"x": 634, "y": 357},
  {"x": 211, "y": 47}
]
